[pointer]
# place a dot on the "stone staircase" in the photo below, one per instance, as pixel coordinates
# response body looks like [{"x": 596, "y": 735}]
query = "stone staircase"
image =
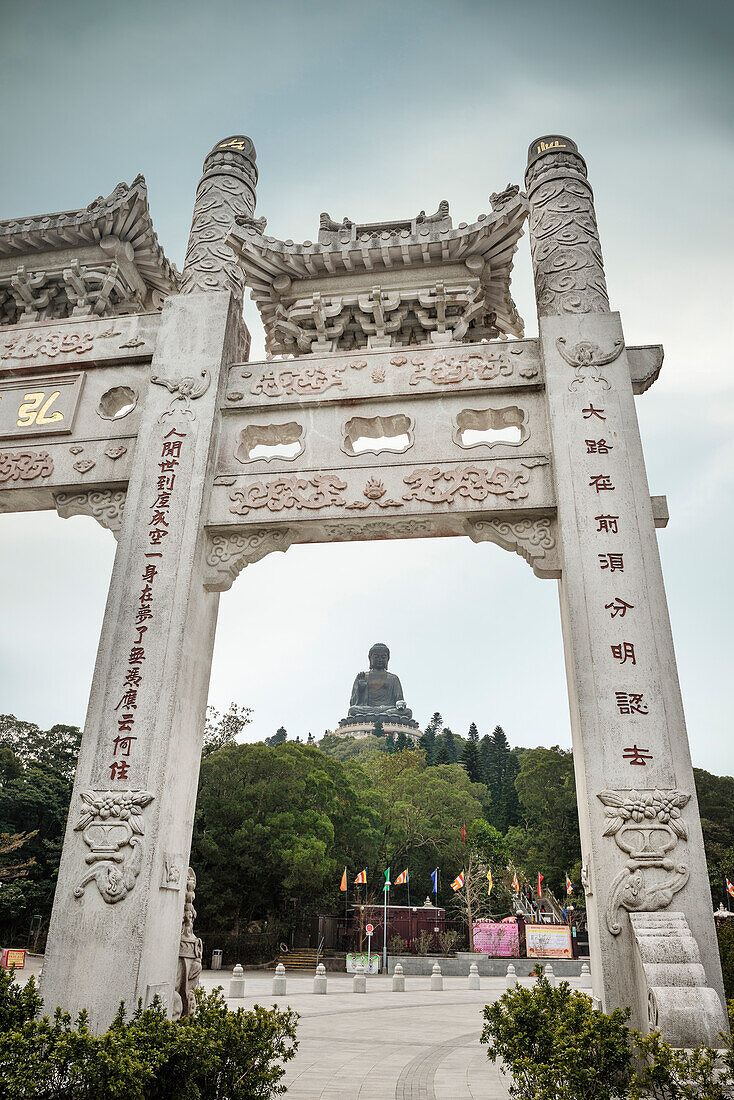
[{"x": 305, "y": 959}]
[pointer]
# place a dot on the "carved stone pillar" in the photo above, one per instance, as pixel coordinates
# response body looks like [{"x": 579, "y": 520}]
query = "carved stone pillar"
[
  {"x": 567, "y": 259},
  {"x": 116, "y": 923},
  {"x": 641, "y": 837},
  {"x": 226, "y": 191}
]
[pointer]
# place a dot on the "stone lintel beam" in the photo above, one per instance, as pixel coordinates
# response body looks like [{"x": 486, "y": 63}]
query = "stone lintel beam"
[{"x": 77, "y": 342}]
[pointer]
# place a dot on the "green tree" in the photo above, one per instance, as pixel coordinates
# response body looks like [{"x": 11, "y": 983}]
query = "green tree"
[
  {"x": 548, "y": 839},
  {"x": 378, "y": 730},
  {"x": 427, "y": 740},
  {"x": 471, "y": 761},
  {"x": 473, "y": 732},
  {"x": 271, "y": 826},
  {"x": 223, "y": 729},
  {"x": 280, "y": 735},
  {"x": 501, "y": 769},
  {"x": 448, "y": 750}
]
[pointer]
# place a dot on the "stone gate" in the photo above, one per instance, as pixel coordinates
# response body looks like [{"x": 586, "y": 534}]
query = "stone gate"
[{"x": 399, "y": 399}]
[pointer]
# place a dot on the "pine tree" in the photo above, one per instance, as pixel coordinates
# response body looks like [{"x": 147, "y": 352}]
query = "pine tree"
[
  {"x": 443, "y": 755},
  {"x": 378, "y": 730},
  {"x": 427, "y": 740},
  {"x": 473, "y": 732},
  {"x": 402, "y": 742},
  {"x": 278, "y": 737},
  {"x": 501, "y": 771},
  {"x": 484, "y": 753},
  {"x": 471, "y": 761},
  {"x": 447, "y": 739}
]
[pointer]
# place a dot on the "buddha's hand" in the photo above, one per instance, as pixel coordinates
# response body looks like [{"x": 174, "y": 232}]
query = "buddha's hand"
[{"x": 362, "y": 677}]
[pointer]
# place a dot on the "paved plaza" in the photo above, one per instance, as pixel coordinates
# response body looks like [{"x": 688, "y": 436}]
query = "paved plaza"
[{"x": 417, "y": 1045}]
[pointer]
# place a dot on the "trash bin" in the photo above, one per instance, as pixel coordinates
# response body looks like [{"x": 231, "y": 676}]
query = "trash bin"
[{"x": 216, "y": 960}]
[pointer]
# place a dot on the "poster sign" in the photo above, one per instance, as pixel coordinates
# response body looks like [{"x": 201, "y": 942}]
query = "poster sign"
[
  {"x": 495, "y": 938},
  {"x": 371, "y": 963},
  {"x": 548, "y": 941},
  {"x": 13, "y": 956}
]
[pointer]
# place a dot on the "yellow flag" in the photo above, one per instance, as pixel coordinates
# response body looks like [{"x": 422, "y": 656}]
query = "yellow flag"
[{"x": 490, "y": 883}]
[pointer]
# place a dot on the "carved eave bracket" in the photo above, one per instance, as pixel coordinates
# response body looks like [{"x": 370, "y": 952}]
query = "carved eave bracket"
[
  {"x": 104, "y": 505},
  {"x": 228, "y": 554},
  {"x": 535, "y": 540}
]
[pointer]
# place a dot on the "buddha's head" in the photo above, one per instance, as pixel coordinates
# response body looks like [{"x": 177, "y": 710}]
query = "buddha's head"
[{"x": 379, "y": 656}]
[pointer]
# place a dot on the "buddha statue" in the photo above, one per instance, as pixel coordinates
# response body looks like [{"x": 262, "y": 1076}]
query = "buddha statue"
[{"x": 378, "y": 694}]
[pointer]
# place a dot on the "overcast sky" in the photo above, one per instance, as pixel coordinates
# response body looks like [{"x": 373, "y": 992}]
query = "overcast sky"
[{"x": 376, "y": 111}]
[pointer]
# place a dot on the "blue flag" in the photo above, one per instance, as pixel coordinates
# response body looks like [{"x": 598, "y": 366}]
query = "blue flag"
[{"x": 434, "y": 880}]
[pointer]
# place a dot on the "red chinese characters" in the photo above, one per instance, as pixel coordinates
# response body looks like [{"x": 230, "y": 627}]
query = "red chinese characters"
[{"x": 124, "y": 739}]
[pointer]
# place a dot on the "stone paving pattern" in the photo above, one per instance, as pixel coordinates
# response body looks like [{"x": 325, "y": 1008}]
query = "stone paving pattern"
[{"x": 417, "y": 1045}]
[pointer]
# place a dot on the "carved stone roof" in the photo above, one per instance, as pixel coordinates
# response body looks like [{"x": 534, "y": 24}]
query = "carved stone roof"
[
  {"x": 101, "y": 260},
  {"x": 396, "y": 283}
]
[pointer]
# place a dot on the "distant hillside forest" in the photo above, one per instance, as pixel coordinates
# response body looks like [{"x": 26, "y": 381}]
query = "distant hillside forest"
[{"x": 278, "y": 821}]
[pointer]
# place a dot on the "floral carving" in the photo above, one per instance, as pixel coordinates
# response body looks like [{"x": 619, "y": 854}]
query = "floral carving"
[
  {"x": 450, "y": 370},
  {"x": 25, "y": 465},
  {"x": 436, "y": 486},
  {"x": 378, "y": 529},
  {"x": 646, "y": 826},
  {"x": 115, "y": 452},
  {"x": 290, "y": 380},
  {"x": 229, "y": 554},
  {"x": 104, "y": 505},
  {"x": 374, "y": 491},
  {"x": 319, "y": 491},
  {"x": 533, "y": 539},
  {"x": 111, "y": 824},
  {"x": 48, "y": 345},
  {"x": 567, "y": 259},
  {"x": 184, "y": 390},
  {"x": 587, "y": 359},
  {"x": 84, "y": 465}
]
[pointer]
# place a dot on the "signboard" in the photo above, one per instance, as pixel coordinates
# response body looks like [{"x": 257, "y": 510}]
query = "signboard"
[
  {"x": 370, "y": 962},
  {"x": 13, "y": 956},
  {"x": 548, "y": 941},
  {"x": 44, "y": 405},
  {"x": 495, "y": 938},
  {"x": 369, "y": 929}
]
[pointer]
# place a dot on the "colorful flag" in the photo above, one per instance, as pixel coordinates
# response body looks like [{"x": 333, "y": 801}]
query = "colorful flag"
[
  {"x": 463, "y": 833},
  {"x": 515, "y": 883},
  {"x": 490, "y": 882},
  {"x": 434, "y": 880},
  {"x": 343, "y": 884},
  {"x": 387, "y": 881},
  {"x": 402, "y": 878},
  {"x": 569, "y": 885},
  {"x": 458, "y": 882},
  {"x": 540, "y": 888},
  {"x": 730, "y": 888},
  {"x": 361, "y": 877}
]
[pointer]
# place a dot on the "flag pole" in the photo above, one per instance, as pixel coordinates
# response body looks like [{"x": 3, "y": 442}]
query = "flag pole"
[
  {"x": 385, "y": 891},
  {"x": 408, "y": 885}
]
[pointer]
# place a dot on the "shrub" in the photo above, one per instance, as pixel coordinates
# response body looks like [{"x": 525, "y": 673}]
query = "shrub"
[
  {"x": 447, "y": 941},
  {"x": 424, "y": 942},
  {"x": 214, "y": 1055},
  {"x": 556, "y": 1046},
  {"x": 396, "y": 945}
]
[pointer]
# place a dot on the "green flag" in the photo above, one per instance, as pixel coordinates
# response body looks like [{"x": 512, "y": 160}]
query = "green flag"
[{"x": 387, "y": 880}]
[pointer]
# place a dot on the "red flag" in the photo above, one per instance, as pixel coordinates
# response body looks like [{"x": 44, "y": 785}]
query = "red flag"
[
  {"x": 540, "y": 888},
  {"x": 463, "y": 833},
  {"x": 730, "y": 888}
]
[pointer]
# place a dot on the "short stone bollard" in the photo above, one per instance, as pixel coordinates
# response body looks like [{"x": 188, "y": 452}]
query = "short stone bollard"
[
  {"x": 279, "y": 981},
  {"x": 359, "y": 982},
  {"x": 549, "y": 975},
  {"x": 237, "y": 982},
  {"x": 398, "y": 979},
  {"x": 585, "y": 978},
  {"x": 436, "y": 977},
  {"x": 511, "y": 977},
  {"x": 319, "y": 982},
  {"x": 473, "y": 976}
]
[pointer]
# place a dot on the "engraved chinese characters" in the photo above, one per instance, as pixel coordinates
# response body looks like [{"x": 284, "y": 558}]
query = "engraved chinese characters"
[{"x": 123, "y": 744}]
